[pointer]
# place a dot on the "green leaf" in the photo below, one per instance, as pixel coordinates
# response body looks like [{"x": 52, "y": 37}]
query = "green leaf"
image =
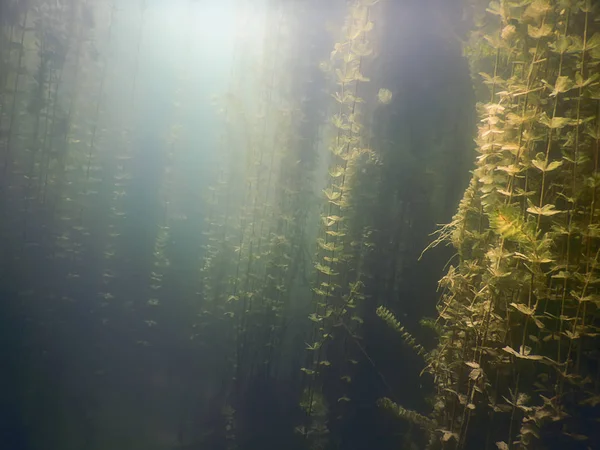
[
  {"x": 537, "y": 9},
  {"x": 593, "y": 42},
  {"x": 336, "y": 172},
  {"x": 315, "y": 346},
  {"x": 581, "y": 83},
  {"x": 329, "y": 246},
  {"x": 562, "y": 275},
  {"x": 523, "y": 354},
  {"x": 361, "y": 48},
  {"x": 516, "y": 119},
  {"x": 314, "y": 317},
  {"x": 346, "y": 98},
  {"x": 593, "y": 132},
  {"x": 537, "y": 33},
  {"x": 561, "y": 45},
  {"x": 324, "y": 269},
  {"x": 512, "y": 169},
  {"x": 331, "y": 194},
  {"x": 546, "y": 210},
  {"x": 586, "y": 298},
  {"x": 338, "y": 122},
  {"x": 475, "y": 374},
  {"x": 543, "y": 166},
  {"x": 576, "y": 45},
  {"x": 488, "y": 79},
  {"x": 563, "y": 84},
  {"x": 508, "y": 32},
  {"x": 495, "y": 9},
  {"x": 523, "y": 308},
  {"x": 534, "y": 258},
  {"x": 331, "y": 220},
  {"x": 508, "y": 223},
  {"x": 338, "y": 148},
  {"x": 321, "y": 292},
  {"x": 447, "y": 435},
  {"x": 555, "y": 122}
]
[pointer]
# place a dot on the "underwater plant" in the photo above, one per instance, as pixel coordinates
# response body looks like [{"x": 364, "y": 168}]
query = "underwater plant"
[
  {"x": 337, "y": 292},
  {"x": 516, "y": 365},
  {"x": 11, "y": 89},
  {"x": 256, "y": 216},
  {"x": 140, "y": 37}
]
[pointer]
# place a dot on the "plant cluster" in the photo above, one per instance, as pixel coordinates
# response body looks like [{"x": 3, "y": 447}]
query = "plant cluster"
[
  {"x": 518, "y": 319},
  {"x": 343, "y": 239},
  {"x": 255, "y": 252}
]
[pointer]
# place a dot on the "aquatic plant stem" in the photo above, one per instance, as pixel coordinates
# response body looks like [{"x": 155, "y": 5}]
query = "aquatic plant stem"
[{"x": 9, "y": 142}]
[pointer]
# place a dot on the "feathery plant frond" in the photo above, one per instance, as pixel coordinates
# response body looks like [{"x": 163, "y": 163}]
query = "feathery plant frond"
[
  {"x": 388, "y": 317},
  {"x": 406, "y": 414}
]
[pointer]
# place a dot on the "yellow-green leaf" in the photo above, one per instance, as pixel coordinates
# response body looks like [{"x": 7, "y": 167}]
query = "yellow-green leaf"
[
  {"x": 546, "y": 210},
  {"x": 581, "y": 83},
  {"x": 555, "y": 122},
  {"x": 331, "y": 194},
  {"x": 338, "y": 121},
  {"x": 523, "y": 308},
  {"x": 593, "y": 42},
  {"x": 523, "y": 354},
  {"x": 336, "y": 172},
  {"x": 539, "y": 32},
  {"x": 563, "y": 84},
  {"x": 331, "y": 220},
  {"x": 324, "y": 269},
  {"x": 544, "y": 166},
  {"x": 329, "y": 246},
  {"x": 512, "y": 169}
]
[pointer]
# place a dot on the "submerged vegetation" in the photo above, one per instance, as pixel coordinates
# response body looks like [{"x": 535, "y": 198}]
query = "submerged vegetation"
[
  {"x": 518, "y": 318},
  {"x": 259, "y": 283}
]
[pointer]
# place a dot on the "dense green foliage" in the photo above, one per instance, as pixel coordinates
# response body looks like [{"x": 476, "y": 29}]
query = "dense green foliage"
[
  {"x": 518, "y": 320},
  {"x": 275, "y": 286}
]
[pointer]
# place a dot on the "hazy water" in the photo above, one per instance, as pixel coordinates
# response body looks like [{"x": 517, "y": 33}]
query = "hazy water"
[{"x": 94, "y": 366}]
